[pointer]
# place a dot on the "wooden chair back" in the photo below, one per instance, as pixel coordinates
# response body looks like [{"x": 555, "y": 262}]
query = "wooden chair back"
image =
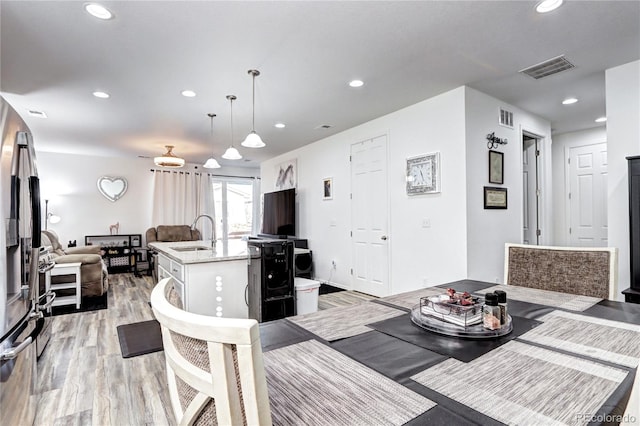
[
  {"x": 214, "y": 365},
  {"x": 587, "y": 271}
]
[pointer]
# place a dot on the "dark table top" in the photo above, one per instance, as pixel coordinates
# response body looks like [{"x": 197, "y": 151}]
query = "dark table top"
[{"x": 398, "y": 349}]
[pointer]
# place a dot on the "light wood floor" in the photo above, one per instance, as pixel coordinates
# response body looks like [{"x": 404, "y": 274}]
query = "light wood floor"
[{"x": 83, "y": 379}]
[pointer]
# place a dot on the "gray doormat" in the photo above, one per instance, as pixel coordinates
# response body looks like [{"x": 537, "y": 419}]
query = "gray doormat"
[{"x": 139, "y": 338}]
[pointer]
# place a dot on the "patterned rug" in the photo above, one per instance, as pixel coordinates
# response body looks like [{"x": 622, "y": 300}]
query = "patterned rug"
[
  {"x": 342, "y": 298},
  {"x": 581, "y": 334},
  {"x": 412, "y": 298},
  {"x": 526, "y": 390},
  {"x": 341, "y": 322},
  {"x": 571, "y": 302},
  {"x": 312, "y": 384}
]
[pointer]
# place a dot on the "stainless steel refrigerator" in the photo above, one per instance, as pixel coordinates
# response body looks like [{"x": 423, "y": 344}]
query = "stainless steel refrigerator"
[{"x": 20, "y": 319}]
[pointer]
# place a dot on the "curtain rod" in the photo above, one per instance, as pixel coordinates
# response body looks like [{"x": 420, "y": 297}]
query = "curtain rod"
[{"x": 208, "y": 174}]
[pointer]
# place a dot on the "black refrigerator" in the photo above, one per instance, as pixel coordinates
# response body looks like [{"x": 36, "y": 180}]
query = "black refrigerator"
[{"x": 271, "y": 292}]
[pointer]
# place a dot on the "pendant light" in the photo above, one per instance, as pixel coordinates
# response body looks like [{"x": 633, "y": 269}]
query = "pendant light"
[
  {"x": 231, "y": 153},
  {"x": 211, "y": 163},
  {"x": 169, "y": 159},
  {"x": 253, "y": 140}
]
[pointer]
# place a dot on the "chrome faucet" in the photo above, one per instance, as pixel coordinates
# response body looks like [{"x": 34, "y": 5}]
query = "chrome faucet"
[{"x": 214, "y": 239}]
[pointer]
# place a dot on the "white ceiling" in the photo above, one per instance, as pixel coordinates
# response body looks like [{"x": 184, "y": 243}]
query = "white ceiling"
[{"x": 54, "y": 55}]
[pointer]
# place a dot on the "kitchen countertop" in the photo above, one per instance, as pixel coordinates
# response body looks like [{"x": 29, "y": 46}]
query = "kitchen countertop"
[{"x": 225, "y": 250}]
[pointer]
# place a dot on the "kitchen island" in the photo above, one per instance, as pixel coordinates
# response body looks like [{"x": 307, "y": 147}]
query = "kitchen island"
[{"x": 210, "y": 282}]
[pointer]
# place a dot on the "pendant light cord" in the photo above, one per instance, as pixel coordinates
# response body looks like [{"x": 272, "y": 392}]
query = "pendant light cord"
[
  {"x": 231, "y": 121},
  {"x": 212, "y": 143},
  {"x": 253, "y": 103}
]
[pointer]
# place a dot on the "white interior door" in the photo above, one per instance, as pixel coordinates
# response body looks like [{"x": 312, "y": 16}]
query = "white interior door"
[
  {"x": 370, "y": 217},
  {"x": 530, "y": 192},
  {"x": 587, "y": 194}
]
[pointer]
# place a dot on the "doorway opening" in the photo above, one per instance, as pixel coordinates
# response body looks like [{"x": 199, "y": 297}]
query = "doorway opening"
[{"x": 531, "y": 201}]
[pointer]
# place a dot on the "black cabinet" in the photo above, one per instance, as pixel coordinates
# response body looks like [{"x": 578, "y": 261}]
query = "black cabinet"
[
  {"x": 632, "y": 294},
  {"x": 271, "y": 289},
  {"x": 117, "y": 250}
]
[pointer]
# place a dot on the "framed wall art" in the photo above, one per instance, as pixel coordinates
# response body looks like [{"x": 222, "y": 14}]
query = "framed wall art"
[
  {"x": 287, "y": 174},
  {"x": 496, "y": 167},
  {"x": 495, "y": 198},
  {"x": 327, "y": 188},
  {"x": 423, "y": 174}
]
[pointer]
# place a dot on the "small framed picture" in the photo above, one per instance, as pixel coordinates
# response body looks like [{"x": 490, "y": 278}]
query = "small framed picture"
[
  {"x": 495, "y": 198},
  {"x": 496, "y": 167},
  {"x": 327, "y": 188}
]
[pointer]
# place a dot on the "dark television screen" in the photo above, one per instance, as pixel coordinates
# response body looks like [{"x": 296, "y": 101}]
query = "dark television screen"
[{"x": 279, "y": 215}]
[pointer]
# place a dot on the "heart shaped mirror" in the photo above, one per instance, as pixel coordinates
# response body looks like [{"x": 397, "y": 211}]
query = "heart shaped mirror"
[{"x": 113, "y": 188}]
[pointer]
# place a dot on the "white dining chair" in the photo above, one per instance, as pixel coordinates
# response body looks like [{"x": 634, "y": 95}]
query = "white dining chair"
[
  {"x": 214, "y": 365},
  {"x": 587, "y": 271}
]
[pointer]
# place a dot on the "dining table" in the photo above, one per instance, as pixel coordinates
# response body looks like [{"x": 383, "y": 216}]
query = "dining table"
[{"x": 565, "y": 360}]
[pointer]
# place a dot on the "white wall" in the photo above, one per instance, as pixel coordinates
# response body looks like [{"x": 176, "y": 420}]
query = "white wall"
[
  {"x": 464, "y": 240},
  {"x": 488, "y": 230},
  {"x": 623, "y": 137},
  {"x": 70, "y": 183},
  {"x": 418, "y": 256},
  {"x": 561, "y": 143}
]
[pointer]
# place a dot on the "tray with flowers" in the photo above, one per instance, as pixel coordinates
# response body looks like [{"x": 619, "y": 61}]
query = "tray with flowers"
[{"x": 461, "y": 309}]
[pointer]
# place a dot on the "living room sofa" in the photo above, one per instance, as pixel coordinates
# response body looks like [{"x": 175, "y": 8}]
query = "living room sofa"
[
  {"x": 94, "y": 278},
  {"x": 172, "y": 233}
]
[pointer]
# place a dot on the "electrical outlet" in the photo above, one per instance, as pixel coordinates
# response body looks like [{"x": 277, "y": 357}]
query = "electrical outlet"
[
  {"x": 426, "y": 223},
  {"x": 333, "y": 264}
]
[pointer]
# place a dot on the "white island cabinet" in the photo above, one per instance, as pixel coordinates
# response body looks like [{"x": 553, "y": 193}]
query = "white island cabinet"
[{"x": 210, "y": 282}]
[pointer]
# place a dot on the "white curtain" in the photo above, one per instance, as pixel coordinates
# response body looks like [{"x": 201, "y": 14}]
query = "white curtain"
[{"x": 179, "y": 197}]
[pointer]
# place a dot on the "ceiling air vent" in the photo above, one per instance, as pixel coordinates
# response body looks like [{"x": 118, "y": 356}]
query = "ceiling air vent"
[
  {"x": 506, "y": 118},
  {"x": 547, "y": 68}
]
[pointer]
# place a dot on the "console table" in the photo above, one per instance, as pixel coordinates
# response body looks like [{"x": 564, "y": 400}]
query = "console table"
[{"x": 117, "y": 250}]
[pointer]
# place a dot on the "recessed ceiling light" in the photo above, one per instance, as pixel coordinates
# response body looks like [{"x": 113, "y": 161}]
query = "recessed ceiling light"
[
  {"x": 188, "y": 93},
  {"x": 356, "y": 83},
  {"x": 548, "y": 5},
  {"x": 101, "y": 95},
  {"x": 569, "y": 101},
  {"x": 601, "y": 119},
  {"x": 279, "y": 125},
  {"x": 36, "y": 113},
  {"x": 97, "y": 10}
]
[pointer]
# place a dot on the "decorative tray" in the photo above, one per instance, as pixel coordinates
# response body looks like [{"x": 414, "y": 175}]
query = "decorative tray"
[{"x": 455, "y": 314}]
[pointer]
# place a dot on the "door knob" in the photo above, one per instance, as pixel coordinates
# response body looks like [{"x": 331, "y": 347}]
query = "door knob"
[{"x": 383, "y": 238}]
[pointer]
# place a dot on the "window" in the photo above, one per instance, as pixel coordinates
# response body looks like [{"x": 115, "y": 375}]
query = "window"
[{"x": 235, "y": 207}]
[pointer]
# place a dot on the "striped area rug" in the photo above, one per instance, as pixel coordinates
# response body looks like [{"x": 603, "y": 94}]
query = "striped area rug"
[
  {"x": 312, "y": 384},
  {"x": 571, "y": 302},
  {"x": 526, "y": 391},
  {"x": 412, "y": 298},
  {"x": 339, "y": 323},
  {"x": 582, "y": 335},
  {"x": 342, "y": 298}
]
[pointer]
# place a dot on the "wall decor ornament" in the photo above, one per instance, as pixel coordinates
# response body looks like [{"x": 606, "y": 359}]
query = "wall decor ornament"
[
  {"x": 423, "y": 174},
  {"x": 496, "y": 167},
  {"x": 327, "y": 188},
  {"x": 112, "y": 188},
  {"x": 495, "y": 198},
  {"x": 287, "y": 174},
  {"x": 493, "y": 141}
]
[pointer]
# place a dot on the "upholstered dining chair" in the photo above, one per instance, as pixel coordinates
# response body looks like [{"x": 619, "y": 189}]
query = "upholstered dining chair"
[
  {"x": 587, "y": 271},
  {"x": 214, "y": 365}
]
